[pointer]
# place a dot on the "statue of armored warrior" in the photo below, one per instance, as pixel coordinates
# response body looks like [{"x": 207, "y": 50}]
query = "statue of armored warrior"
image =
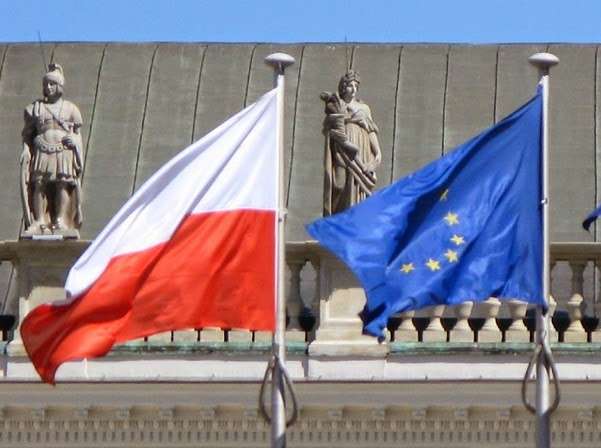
[
  {"x": 51, "y": 161},
  {"x": 352, "y": 150}
]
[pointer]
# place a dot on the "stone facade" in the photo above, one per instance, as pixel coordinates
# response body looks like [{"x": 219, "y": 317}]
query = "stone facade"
[
  {"x": 427, "y": 386},
  {"x": 117, "y": 416}
]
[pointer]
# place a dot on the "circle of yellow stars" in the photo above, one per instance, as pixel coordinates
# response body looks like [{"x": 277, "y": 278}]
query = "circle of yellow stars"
[{"x": 452, "y": 256}]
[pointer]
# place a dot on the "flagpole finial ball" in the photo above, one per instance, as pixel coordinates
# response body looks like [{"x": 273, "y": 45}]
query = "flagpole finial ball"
[
  {"x": 279, "y": 61},
  {"x": 543, "y": 61}
]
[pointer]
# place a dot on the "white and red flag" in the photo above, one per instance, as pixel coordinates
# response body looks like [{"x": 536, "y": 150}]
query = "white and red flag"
[{"x": 194, "y": 247}]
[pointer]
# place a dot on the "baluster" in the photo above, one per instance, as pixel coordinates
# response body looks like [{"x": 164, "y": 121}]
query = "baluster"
[
  {"x": 517, "y": 331},
  {"x": 435, "y": 332},
  {"x": 553, "y": 334},
  {"x": 294, "y": 302},
  {"x": 576, "y": 332},
  {"x": 597, "y": 298},
  {"x": 462, "y": 332},
  {"x": 489, "y": 309},
  {"x": 406, "y": 332},
  {"x": 596, "y": 334},
  {"x": 315, "y": 263}
]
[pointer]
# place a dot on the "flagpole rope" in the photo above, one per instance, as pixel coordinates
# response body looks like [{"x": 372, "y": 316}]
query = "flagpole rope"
[
  {"x": 542, "y": 352},
  {"x": 275, "y": 364}
]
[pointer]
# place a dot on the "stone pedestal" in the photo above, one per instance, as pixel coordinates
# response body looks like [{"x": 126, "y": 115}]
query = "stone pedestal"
[
  {"x": 341, "y": 301},
  {"x": 41, "y": 268},
  {"x": 52, "y": 235}
]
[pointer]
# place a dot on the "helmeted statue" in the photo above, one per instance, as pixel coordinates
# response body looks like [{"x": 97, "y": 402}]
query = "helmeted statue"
[
  {"x": 352, "y": 150},
  {"x": 51, "y": 162}
]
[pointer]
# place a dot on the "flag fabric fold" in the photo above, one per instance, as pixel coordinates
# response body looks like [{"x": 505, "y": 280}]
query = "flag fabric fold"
[
  {"x": 194, "y": 247},
  {"x": 467, "y": 226}
]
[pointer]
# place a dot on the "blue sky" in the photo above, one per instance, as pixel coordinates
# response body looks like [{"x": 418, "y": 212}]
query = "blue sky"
[{"x": 471, "y": 21}]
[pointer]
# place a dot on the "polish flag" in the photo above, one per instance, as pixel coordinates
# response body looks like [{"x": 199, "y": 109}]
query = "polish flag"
[{"x": 194, "y": 247}]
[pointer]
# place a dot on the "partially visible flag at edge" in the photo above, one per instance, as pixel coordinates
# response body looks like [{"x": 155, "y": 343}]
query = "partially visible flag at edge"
[
  {"x": 467, "y": 226},
  {"x": 592, "y": 217},
  {"x": 194, "y": 247}
]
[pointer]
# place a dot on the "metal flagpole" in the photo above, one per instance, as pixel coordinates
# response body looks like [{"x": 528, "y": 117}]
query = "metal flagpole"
[
  {"x": 544, "y": 61},
  {"x": 279, "y": 62}
]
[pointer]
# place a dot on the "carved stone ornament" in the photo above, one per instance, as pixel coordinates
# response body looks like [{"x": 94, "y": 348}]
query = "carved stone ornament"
[
  {"x": 352, "y": 150},
  {"x": 51, "y": 163}
]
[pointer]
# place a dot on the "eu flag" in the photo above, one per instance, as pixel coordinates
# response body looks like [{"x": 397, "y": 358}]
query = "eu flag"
[{"x": 467, "y": 226}]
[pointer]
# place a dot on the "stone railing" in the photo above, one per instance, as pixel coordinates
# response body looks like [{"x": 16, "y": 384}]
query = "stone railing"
[
  {"x": 574, "y": 302},
  {"x": 323, "y": 300}
]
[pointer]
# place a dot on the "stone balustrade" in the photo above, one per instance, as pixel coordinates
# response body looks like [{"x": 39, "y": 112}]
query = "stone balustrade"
[
  {"x": 575, "y": 302},
  {"x": 323, "y": 299}
]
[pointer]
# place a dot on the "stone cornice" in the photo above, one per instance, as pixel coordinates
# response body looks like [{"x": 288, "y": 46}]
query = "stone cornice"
[{"x": 235, "y": 425}]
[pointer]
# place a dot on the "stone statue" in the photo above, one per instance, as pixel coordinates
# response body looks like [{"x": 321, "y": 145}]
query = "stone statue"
[
  {"x": 352, "y": 150},
  {"x": 51, "y": 162}
]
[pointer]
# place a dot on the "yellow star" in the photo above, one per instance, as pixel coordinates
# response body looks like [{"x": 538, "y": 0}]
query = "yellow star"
[
  {"x": 451, "y": 255},
  {"x": 407, "y": 268},
  {"x": 458, "y": 240},
  {"x": 451, "y": 218},
  {"x": 433, "y": 265},
  {"x": 443, "y": 196}
]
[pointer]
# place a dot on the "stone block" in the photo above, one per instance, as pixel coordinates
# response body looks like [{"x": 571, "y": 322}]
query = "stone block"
[
  {"x": 240, "y": 335},
  {"x": 189, "y": 335},
  {"x": 160, "y": 338},
  {"x": 212, "y": 334}
]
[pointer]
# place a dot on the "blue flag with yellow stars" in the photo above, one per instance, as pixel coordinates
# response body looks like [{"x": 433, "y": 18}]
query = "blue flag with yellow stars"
[{"x": 467, "y": 226}]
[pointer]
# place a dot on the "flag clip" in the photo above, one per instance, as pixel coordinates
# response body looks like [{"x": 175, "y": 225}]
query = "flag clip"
[
  {"x": 542, "y": 353},
  {"x": 276, "y": 367}
]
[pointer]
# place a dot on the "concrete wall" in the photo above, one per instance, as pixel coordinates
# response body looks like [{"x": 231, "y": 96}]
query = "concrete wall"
[{"x": 143, "y": 103}]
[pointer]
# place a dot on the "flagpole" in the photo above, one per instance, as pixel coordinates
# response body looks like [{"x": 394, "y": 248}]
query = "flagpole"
[
  {"x": 279, "y": 62},
  {"x": 544, "y": 61}
]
